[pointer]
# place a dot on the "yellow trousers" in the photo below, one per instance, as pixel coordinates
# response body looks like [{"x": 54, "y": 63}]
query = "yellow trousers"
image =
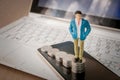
[{"x": 78, "y": 52}]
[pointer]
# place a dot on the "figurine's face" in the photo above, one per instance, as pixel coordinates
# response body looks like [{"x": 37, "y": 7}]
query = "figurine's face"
[{"x": 78, "y": 16}]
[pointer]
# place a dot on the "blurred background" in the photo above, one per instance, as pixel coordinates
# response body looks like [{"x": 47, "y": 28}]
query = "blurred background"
[{"x": 100, "y": 12}]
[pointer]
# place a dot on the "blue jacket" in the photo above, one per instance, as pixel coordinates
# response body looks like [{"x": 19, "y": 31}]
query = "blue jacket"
[{"x": 85, "y": 29}]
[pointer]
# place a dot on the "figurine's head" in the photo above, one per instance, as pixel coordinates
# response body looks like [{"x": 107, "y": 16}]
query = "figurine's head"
[{"x": 78, "y": 15}]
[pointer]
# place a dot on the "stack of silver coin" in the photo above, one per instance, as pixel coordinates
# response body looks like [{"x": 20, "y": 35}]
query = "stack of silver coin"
[
  {"x": 67, "y": 60},
  {"x": 78, "y": 67},
  {"x": 66, "y": 70},
  {"x": 46, "y": 48},
  {"x": 60, "y": 55},
  {"x": 53, "y": 52}
]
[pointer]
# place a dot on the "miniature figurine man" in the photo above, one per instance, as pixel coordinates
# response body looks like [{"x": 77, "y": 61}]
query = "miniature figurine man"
[{"x": 79, "y": 29}]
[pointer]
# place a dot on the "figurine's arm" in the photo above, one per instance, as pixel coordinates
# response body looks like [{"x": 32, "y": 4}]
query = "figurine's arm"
[
  {"x": 88, "y": 29},
  {"x": 71, "y": 31},
  {"x": 70, "y": 27}
]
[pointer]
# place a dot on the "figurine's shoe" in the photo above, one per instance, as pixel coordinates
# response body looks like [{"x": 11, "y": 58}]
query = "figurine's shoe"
[
  {"x": 80, "y": 60},
  {"x": 76, "y": 59}
]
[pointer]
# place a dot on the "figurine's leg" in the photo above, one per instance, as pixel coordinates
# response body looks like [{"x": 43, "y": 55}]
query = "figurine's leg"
[
  {"x": 81, "y": 50},
  {"x": 76, "y": 48}
]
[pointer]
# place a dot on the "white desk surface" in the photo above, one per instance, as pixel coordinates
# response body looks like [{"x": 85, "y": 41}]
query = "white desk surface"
[{"x": 20, "y": 40}]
